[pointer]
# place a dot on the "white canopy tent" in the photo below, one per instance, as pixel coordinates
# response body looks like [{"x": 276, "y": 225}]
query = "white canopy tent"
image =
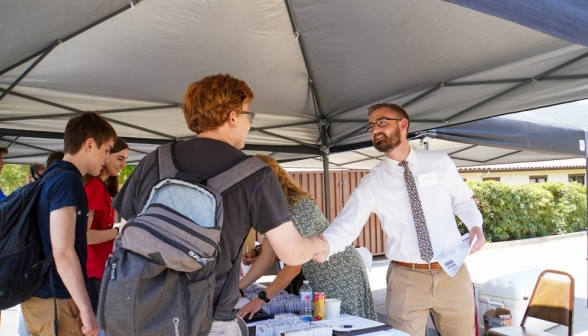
[{"x": 315, "y": 67}]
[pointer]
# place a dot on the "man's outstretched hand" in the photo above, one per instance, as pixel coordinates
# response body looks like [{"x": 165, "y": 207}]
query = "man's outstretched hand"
[{"x": 322, "y": 248}]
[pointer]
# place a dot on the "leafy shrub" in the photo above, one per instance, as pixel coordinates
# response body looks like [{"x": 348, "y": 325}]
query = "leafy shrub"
[
  {"x": 570, "y": 206},
  {"x": 518, "y": 211}
]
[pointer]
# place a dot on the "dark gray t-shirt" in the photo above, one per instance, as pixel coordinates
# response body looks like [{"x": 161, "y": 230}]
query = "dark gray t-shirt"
[{"x": 257, "y": 203}]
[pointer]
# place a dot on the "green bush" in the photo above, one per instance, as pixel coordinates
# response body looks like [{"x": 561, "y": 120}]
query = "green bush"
[
  {"x": 15, "y": 175},
  {"x": 570, "y": 206},
  {"x": 518, "y": 211}
]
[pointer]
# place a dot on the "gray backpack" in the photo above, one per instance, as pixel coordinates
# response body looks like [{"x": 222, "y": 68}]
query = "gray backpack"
[{"x": 160, "y": 279}]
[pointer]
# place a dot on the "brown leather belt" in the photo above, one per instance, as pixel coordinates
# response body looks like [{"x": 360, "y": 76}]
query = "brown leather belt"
[{"x": 434, "y": 266}]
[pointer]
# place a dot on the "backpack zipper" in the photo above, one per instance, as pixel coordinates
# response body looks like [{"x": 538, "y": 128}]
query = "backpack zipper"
[
  {"x": 103, "y": 289},
  {"x": 174, "y": 211},
  {"x": 185, "y": 295},
  {"x": 202, "y": 260},
  {"x": 184, "y": 228}
]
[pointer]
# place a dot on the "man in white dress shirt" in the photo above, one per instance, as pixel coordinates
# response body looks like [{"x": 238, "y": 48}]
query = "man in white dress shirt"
[{"x": 416, "y": 282}]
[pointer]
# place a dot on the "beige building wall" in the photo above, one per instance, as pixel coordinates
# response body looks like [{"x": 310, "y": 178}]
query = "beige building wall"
[{"x": 522, "y": 176}]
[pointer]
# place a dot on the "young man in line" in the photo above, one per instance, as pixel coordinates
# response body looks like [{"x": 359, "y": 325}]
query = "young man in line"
[
  {"x": 217, "y": 109},
  {"x": 416, "y": 195},
  {"x": 62, "y": 216}
]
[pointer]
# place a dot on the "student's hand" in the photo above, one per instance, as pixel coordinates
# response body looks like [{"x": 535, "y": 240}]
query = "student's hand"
[
  {"x": 249, "y": 257},
  {"x": 322, "y": 248},
  {"x": 89, "y": 324},
  {"x": 476, "y": 231},
  {"x": 251, "y": 308}
]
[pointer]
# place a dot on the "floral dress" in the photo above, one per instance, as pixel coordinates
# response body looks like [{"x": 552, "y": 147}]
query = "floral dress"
[{"x": 344, "y": 276}]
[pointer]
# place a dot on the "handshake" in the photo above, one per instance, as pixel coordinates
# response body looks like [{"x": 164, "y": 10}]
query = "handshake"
[{"x": 321, "y": 248}]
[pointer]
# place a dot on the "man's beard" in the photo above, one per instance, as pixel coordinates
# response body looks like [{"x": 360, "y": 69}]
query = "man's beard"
[{"x": 387, "y": 144}]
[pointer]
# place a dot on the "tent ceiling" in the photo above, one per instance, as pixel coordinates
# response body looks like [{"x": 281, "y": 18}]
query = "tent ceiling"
[{"x": 312, "y": 65}]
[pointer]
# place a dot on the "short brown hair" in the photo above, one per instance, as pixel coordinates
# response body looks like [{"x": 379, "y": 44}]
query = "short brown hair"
[
  {"x": 36, "y": 170},
  {"x": 208, "y": 101},
  {"x": 83, "y": 127},
  {"x": 57, "y": 155},
  {"x": 399, "y": 109},
  {"x": 3, "y": 151}
]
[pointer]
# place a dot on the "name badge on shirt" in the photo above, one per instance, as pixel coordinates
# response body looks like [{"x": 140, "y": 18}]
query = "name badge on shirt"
[{"x": 427, "y": 180}]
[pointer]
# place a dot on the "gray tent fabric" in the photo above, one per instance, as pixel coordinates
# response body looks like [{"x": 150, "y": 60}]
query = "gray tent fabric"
[
  {"x": 551, "y": 133},
  {"x": 566, "y": 19},
  {"x": 522, "y": 131},
  {"x": 315, "y": 66}
]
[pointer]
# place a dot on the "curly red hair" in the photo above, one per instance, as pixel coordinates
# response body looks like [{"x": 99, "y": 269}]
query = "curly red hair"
[{"x": 208, "y": 101}]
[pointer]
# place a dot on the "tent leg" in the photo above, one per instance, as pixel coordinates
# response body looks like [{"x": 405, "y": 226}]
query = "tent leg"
[{"x": 327, "y": 187}]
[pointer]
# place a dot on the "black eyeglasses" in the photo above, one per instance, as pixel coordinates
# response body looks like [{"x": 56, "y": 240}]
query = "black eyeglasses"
[
  {"x": 250, "y": 115},
  {"x": 380, "y": 123}
]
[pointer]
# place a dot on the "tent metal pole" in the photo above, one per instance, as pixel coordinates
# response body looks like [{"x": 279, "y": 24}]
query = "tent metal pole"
[
  {"x": 29, "y": 69},
  {"x": 68, "y": 108},
  {"x": 13, "y": 141},
  {"x": 324, "y": 124},
  {"x": 302, "y": 123},
  {"x": 526, "y": 82},
  {"x": 327, "y": 184},
  {"x": 300, "y": 39},
  {"x": 66, "y": 38},
  {"x": 102, "y": 112}
]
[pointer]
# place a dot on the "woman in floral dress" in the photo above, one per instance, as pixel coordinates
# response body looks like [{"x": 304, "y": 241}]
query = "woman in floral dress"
[{"x": 343, "y": 277}]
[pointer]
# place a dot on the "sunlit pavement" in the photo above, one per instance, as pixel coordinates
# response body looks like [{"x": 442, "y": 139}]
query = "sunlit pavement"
[{"x": 564, "y": 253}]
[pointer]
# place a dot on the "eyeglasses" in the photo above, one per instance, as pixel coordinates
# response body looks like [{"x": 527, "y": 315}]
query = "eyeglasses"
[
  {"x": 380, "y": 123},
  {"x": 250, "y": 115}
]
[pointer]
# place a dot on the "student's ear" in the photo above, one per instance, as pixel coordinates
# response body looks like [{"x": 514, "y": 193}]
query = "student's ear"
[
  {"x": 88, "y": 144},
  {"x": 232, "y": 118}
]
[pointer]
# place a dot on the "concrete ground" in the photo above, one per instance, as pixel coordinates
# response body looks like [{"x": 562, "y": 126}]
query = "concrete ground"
[{"x": 565, "y": 253}]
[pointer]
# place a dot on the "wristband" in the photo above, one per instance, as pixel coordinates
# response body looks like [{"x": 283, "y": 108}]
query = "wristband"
[
  {"x": 117, "y": 230},
  {"x": 256, "y": 253}
]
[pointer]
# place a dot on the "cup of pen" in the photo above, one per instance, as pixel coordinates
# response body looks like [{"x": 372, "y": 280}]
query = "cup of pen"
[{"x": 333, "y": 307}]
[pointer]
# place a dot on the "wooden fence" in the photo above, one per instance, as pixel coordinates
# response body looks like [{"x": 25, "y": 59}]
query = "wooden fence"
[{"x": 342, "y": 183}]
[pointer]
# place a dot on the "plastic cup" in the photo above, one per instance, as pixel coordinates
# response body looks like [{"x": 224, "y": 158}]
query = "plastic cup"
[{"x": 333, "y": 308}]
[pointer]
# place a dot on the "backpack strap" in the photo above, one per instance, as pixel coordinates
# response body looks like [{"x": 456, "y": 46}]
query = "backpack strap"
[
  {"x": 222, "y": 183},
  {"x": 48, "y": 263},
  {"x": 166, "y": 161},
  {"x": 236, "y": 175},
  {"x": 168, "y": 165}
]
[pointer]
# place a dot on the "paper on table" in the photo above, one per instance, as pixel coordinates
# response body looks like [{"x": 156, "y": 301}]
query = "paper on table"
[
  {"x": 452, "y": 259},
  {"x": 354, "y": 321},
  {"x": 358, "y": 323}
]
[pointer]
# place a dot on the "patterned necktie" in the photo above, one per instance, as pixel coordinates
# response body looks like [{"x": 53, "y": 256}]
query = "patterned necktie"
[{"x": 417, "y": 213}]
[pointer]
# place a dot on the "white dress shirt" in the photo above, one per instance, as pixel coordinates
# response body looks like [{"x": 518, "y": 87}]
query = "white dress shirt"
[{"x": 442, "y": 192}]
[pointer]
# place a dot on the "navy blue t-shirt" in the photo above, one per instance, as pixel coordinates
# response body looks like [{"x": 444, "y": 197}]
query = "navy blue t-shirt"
[{"x": 61, "y": 190}]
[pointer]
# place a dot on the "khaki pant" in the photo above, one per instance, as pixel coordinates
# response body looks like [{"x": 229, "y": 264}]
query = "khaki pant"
[
  {"x": 411, "y": 293},
  {"x": 39, "y": 316}
]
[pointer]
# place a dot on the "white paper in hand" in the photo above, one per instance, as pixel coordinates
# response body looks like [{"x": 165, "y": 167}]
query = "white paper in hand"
[{"x": 453, "y": 258}]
